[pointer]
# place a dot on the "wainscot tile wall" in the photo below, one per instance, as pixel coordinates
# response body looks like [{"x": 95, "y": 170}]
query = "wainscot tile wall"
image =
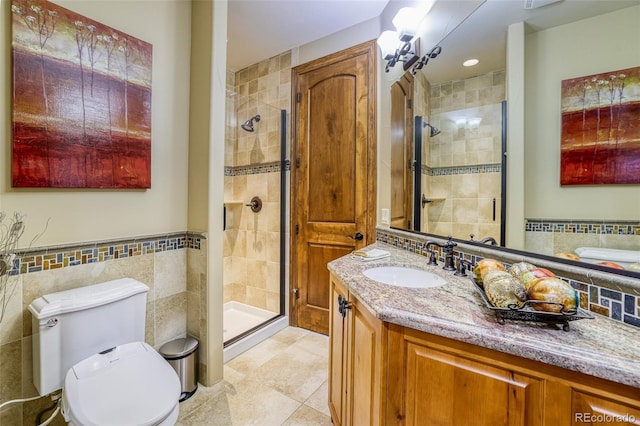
[
  {"x": 619, "y": 303},
  {"x": 550, "y": 236},
  {"x": 172, "y": 265}
]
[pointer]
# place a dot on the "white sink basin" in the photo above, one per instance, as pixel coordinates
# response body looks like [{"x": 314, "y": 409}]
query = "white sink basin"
[{"x": 404, "y": 277}]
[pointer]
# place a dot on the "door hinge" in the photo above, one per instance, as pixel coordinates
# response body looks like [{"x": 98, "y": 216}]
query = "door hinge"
[
  {"x": 409, "y": 103},
  {"x": 298, "y": 97},
  {"x": 297, "y": 229}
]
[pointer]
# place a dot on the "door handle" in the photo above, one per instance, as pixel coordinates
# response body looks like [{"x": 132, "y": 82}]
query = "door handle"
[{"x": 357, "y": 237}]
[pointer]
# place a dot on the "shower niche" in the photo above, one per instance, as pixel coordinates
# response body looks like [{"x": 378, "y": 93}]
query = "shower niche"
[{"x": 254, "y": 236}]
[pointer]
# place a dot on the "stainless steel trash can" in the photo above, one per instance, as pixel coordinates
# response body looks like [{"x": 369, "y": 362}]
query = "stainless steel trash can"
[{"x": 182, "y": 354}]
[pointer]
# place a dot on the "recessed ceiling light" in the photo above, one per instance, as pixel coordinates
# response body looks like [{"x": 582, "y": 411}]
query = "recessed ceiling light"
[{"x": 470, "y": 62}]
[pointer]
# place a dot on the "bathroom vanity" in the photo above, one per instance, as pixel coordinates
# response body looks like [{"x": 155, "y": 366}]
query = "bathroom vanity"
[{"x": 438, "y": 356}]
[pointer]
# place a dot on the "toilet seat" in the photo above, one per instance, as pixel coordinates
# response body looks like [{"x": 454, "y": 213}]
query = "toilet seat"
[{"x": 128, "y": 385}]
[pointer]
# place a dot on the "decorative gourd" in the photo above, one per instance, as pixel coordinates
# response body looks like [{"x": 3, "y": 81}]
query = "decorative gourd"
[
  {"x": 553, "y": 289},
  {"x": 528, "y": 278},
  {"x": 485, "y": 265},
  {"x": 503, "y": 290},
  {"x": 635, "y": 267},
  {"x": 610, "y": 264},
  {"x": 518, "y": 268},
  {"x": 569, "y": 256}
]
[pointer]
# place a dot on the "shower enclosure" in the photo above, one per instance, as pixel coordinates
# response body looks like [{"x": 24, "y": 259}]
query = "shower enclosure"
[{"x": 254, "y": 236}]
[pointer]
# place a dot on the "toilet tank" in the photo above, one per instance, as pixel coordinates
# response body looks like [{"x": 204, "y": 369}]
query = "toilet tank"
[{"x": 72, "y": 325}]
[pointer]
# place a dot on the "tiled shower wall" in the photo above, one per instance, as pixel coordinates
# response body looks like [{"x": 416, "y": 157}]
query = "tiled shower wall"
[
  {"x": 463, "y": 166},
  {"x": 252, "y": 168},
  {"x": 173, "y": 266}
]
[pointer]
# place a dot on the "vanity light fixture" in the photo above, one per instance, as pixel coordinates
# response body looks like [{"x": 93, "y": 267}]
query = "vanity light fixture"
[
  {"x": 401, "y": 45},
  {"x": 432, "y": 54}
]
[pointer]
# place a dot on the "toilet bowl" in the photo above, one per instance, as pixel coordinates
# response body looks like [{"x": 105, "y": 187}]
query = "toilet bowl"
[
  {"x": 88, "y": 341},
  {"x": 129, "y": 385}
]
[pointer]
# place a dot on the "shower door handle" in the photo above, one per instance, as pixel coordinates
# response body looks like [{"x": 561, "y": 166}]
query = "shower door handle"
[{"x": 357, "y": 237}]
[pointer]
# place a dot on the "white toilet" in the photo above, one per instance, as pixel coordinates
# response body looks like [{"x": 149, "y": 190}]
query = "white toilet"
[{"x": 89, "y": 341}]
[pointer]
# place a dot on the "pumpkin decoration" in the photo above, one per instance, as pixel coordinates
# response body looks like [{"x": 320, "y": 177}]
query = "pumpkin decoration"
[
  {"x": 518, "y": 268},
  {"x": 484, "y": 266},
  {"x": 553, "y": 289},
  {"x": 528, "y": 278},
  {"x": 503, "y": 290}
]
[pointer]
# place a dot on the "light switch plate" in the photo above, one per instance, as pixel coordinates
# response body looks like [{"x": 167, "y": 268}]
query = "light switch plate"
[{"x": 385, "y": 220}]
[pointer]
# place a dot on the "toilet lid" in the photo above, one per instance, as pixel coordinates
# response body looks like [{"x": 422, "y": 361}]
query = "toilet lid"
[{"x": 130, "y": 385}]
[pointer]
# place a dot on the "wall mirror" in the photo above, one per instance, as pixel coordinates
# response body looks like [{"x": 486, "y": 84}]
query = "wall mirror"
[{"x": 447, "y": 162}]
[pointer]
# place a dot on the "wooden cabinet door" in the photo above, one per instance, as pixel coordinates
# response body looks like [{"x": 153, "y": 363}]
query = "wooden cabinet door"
[
  {"x": 356, "y": 380},
  {"x": 333, "y": 177},
  {"x": 365, "y": 366},
  {"x": 593, "y": 409},
  {"x": 337, "y": 355},
  {"x": 446, "y": 389}
]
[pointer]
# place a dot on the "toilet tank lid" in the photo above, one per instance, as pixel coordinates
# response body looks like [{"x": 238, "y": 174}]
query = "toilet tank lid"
[{"x": 85, "y": 297}]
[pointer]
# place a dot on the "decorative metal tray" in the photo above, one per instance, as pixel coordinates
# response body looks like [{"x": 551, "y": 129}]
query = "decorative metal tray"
[{"x": 528, "y": 313}]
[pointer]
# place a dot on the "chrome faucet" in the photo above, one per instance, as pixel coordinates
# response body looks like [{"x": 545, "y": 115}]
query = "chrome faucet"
[{"x": 447, "y": 250}]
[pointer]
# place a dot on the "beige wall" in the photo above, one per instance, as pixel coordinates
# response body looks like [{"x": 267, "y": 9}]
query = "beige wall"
[
  {"x": 605, "y": 43},
  {"x": 186, "y": 284},
  {"x": 85, "y": 215}
]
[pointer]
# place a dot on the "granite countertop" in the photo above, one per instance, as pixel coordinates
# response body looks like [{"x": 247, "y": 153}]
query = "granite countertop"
[{"x": 599, "y": 347}]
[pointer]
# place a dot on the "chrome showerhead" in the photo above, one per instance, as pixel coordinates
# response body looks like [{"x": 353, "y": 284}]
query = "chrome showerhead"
[
  {"x": 248, "y": 125},
  {"x": 433, "y": 131}
]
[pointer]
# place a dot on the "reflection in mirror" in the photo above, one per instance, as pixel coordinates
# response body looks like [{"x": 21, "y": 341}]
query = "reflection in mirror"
[
  {"x": 402, "y": 153},
  {"x": 462, "y": 165},
  {"x": 457, "y": 163}
]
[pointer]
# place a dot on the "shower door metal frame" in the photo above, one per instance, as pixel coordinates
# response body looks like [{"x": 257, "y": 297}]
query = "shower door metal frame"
[{"x": 284, "y": 166}]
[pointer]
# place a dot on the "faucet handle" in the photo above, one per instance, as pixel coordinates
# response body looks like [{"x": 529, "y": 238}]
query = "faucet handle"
[
  {"x": 461, "y": 268},
  {"x": 432, "y": 258}
]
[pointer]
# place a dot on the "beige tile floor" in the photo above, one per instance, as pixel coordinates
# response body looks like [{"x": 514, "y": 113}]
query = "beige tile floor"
[{"x": 281, "y": 381}]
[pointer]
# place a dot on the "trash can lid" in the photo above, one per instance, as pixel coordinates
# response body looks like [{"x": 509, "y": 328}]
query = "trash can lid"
[{"x": 179, "y": 347}]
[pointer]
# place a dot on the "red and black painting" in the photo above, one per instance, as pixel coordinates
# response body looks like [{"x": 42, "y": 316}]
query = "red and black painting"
[
  {"x": 81, "y": 101},
  {"x": 601, "y": 129}
]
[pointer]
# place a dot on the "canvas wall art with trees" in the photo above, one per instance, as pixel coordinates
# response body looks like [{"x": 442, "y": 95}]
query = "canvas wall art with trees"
[
  {"x": 601, "y": 129},
  {"x": 81, "y": 110}
]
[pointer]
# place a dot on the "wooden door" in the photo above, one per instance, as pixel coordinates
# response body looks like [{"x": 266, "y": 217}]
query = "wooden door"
[
  {"x": 333, "y": 189},
  {"x": 402, "y": 157}
]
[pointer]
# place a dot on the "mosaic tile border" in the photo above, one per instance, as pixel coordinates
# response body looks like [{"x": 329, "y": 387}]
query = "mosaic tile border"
[
  {"x": 613, "y": 304},
  {"x": 256, "y": 169},
  {"x": 462, "y": 170},
  {"x": 609, "y": 227},
  {"x": 56, "y": 257}
]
